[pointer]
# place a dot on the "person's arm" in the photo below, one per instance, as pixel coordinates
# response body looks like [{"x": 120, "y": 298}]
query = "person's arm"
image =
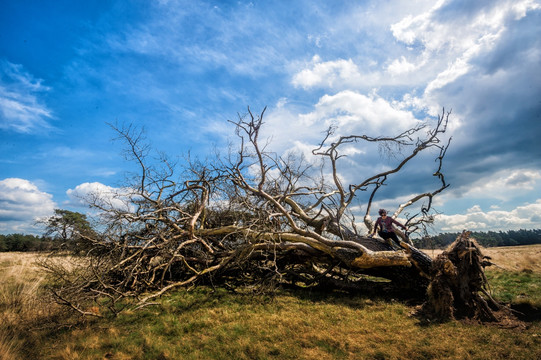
[{"x": 399, "y": 224}]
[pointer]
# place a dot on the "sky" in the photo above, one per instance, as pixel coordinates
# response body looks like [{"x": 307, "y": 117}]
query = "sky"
[{"x": 182, "y": 69}]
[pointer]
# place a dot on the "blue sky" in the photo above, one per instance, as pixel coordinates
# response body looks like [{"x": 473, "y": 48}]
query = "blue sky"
[{"x": 181, "y": 69}]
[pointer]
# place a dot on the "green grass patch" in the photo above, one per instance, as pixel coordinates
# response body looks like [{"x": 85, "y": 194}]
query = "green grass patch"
[
  {"x": 207, "y": 324},
  {"x": 516, "y": 287}
]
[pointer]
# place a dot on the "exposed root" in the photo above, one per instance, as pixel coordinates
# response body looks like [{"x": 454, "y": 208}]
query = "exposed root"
[{"x": 459, "y": 288}]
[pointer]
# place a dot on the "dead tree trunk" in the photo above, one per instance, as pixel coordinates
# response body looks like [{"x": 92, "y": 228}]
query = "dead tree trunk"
[{"x": 252, "y": 218}]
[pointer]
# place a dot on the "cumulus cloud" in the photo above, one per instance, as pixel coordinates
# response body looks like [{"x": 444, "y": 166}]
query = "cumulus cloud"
[
  {"x": 328, "y": 74},
  {"x": 20, "y": 107},
  {"x": 453, "y": 35},
  {"x": 401, "y": 66},
  {"x": 479, "y": 59},
  {"x": 443, "y": 45},
  {"x": 356, "y": 113},
  {"x": 21, "y": 205},
  {"x": 505, "y": 188},
  {"x": 440, "y": 45},
  {"x": 455, "y": 26},
  {"x": 526, "y": 216},
  {"x": 503, "y": 185},
  {"x": 104, "y": 195},
  {"x": 350, "y": 112}
]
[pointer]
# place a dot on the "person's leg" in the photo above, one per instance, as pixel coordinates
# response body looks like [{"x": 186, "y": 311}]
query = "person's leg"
[
  {"x": 395, "y": 238},
  {"x": 386, "y": 236}
]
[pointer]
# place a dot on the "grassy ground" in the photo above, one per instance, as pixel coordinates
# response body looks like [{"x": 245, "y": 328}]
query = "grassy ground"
[
  {"x": 204, "y": 325},
  {"x": 22, "y": 302},
  {"x": 207, "y": 324}
]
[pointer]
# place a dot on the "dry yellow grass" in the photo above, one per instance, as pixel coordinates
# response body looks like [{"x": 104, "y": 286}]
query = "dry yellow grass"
[
  {"x": 511, "y": 258},
  {"x": 516, "y": 258},
  {"x": 22, "y": 301},
  {"x": 20, "y": 282}
]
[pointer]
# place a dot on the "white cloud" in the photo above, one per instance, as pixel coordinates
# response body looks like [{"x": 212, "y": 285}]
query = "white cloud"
[
  {"x": 442, "y": 44},
  {"x": 412, "y": 28},
  {"x": 441, "y": 30},
  {"x": 104, "y": 195},
  {"x": 20, "y": 107},
  {"x": 503, "y": 185},
  {"x": 401, "y": 66},
  {"x": 440, "y": 49},
  {"x": 352, "y": 113},
  {"x": 356, "y": 113},
  {"x": 527, "y": 216},
  {"x": 329, "y": 74},
  {"x": 449, "y": 42},
  {"x": 21, "y": 204}
]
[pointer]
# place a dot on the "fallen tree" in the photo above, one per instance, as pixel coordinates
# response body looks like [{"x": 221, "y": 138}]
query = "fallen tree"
[{"x": 251, "y": 219}]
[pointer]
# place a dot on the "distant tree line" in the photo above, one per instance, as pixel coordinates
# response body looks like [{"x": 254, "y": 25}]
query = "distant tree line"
[
  {"x": 65, "y": 230},
  {"x": 21, "y": 242},
  {"x": 486, "y": 239}
]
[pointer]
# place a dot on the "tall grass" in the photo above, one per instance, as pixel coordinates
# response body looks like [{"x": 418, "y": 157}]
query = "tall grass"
[
  {"x": 18, "y": 299},
  {"x": 23, "y": 303}
]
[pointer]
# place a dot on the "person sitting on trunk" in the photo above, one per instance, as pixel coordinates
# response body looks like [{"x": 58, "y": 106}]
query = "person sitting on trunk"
[{"x": 385, "y": 224}]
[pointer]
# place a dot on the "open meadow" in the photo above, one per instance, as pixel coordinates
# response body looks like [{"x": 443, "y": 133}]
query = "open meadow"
[{"x": 203, "y": 323}]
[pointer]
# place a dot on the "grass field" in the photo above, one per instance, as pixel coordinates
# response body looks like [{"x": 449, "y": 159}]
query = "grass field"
[
  {"x": 22, "y": 301},
  {"x": 215, "y": 324}
]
